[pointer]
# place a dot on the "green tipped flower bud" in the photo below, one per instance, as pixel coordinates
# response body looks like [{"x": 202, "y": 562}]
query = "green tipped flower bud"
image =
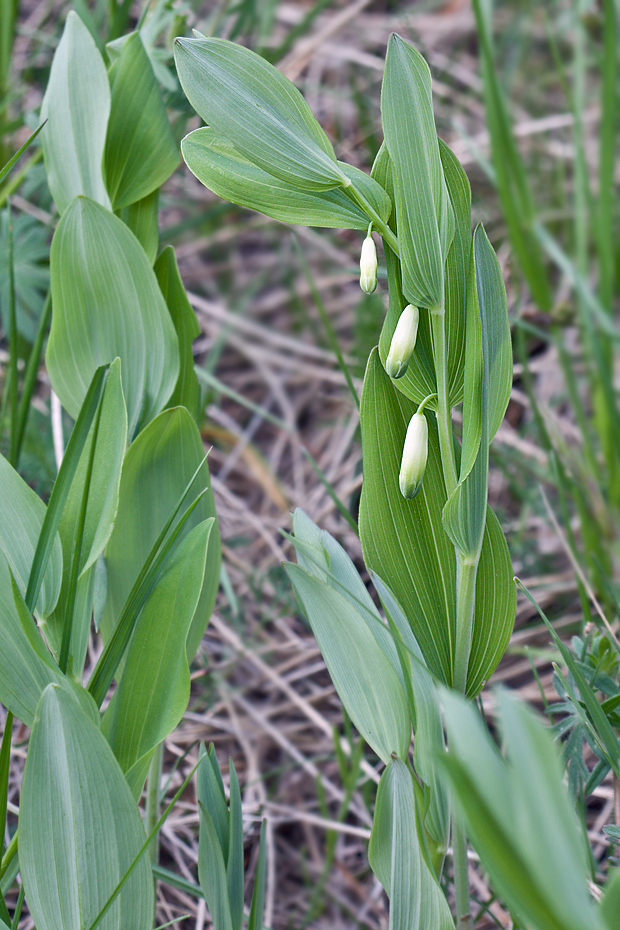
[
  {"x": 368, "y": 265},
  {"x": 403, "y": 342},
  {"x": 415, "y": 451}
]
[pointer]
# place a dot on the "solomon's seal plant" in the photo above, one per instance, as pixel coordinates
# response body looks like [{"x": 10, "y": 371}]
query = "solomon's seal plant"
[{"x": 434, "y": 549}]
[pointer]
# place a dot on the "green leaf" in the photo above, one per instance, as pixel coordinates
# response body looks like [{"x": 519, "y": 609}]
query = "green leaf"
[
  {"x": 22, "y": 513},
  {"x": 142, "y": 217},
  {"x": 529, "y": 841},
  {"x": 424, "y": 212},
  {"x": 363, "y": 676},
  {"x": 496, "y": 605},
  {"x": 106, "y": 303},
  {"x": 62, "y": 486},
  {"x": 18, "y": 154},
  {"x": 257, "y": 906},
  {"x": 323, "y": 557},
  {"x": 395, "y": 855},
  {"x": 488, "y": 382},
  {"x": 79, "y": 827},
  {"x": 405, "y": 544},
  {"x": 220, "y": 167},
  {"x": 137, "y": 719},
  {"x": 156, "y": 471},
  {"x": 427, "y": 725},
  {"x": 212, "y": 873},
  {"x": 610, "y": 905},
  {"x": 140, "y": 151},
  {"x": 100, "y": 515},
  {"x": 518, "y": 207},
  {"x": 234, "y": 863},
  {"x": 210, "y": 793},
  {"x": 26, "y": 666},
  {"x": 419, "y": 379},
  {"x": 457, "y": 269},
  {"x": 187, "y": 390},
  {"x": 76, "y": 105},
  {"x": 249, "y": 102}
]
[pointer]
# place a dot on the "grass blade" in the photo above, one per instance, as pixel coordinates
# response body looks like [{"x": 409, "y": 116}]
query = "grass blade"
[
  {"x": 143, "y": 849},
  {"x": 12, "y": 340},
  {"x": 255, "y": 920},
  {"x": 30, "y": 377},
  {"x": 115, "y": 647},
  {"x": 18, "y": 154},
  {"x": 62, "y": 485}
]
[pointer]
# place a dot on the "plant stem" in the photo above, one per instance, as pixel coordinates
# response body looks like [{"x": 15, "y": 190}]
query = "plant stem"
[
  {"x": 152, "y": 799},
  {"x": 461, "y": 877},
  {"x": 9, "y": 855},
  {"x": 444, "y": 411},
  {"x": 466, "y": 571},
  {"x": 382, "y": 228}
]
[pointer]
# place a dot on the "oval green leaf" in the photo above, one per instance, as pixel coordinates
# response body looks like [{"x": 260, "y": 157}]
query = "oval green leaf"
[
  {"x": 404, "y": 542},
  {"x": 76, "y": 105},
  {"x": 100, "y": 515},
  {"x": 245, "y": 99},
  {"x": 79, "y": 827},
  {"x": 140, "y": 151},
  {"x": 137, "y": 719},
  {"x": 157, "y": 468},
  {"x": 424, "y": 211},
  {"x": 365, "y": 679},
  {"x": 219, "y": 166},
  {"x": 107, "y": 304}
]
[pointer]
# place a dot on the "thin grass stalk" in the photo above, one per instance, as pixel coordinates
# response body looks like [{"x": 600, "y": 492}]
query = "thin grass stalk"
[
  {"x": 12, "y": 185},
  {"x": 114, "y": 650},
  {"x": 329, "y": 329},
  {"x": 609, "y": 106},
  {"x": 30, "y": 377},
  {"x": 153, "y": 793},
  {"x": 77, "y": 551},
  {"x": 464, "y": 919},
  {"x": 18, "y": 907},
  {"x": 12, "y": 341}
]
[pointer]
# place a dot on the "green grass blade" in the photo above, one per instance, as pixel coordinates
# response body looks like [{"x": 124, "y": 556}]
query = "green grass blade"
[
  {"x": 62, "y": 485},
  {"x": 234, "y": 865},
  {"x": 342, "y": 507},
  {"x": 30, "y": 377},
  {"x": 329, "y": 329},
  {"x": 160, "y": 552},
  {"x": 512, "y": 183},
  {"x": 18, "y": 907},
  {"x": 18, "y": 154},
  {"x": 607, "y": 155},
  {"x": 169, "y": 878},
  {"x": 12, "y": 340},
  {"x": 77, "y": 552},
  {"x": 104, "y": 910},
  {"x": 5, "y": 759},
  {"x": 255, "y": 920}
]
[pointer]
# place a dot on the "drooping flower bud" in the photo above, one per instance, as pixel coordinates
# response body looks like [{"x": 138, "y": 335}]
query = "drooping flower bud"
[
  {"x": 368, "y": 265},
  {"x": 403, "y": 342},
  {"x": 415, "y": 452}
]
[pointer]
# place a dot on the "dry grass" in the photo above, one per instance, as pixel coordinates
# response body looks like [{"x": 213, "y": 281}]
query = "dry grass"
[{"x": 261, "y": 692}]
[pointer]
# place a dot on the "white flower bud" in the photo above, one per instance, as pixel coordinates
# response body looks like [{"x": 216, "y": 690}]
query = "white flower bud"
[
  {"x": 415, "y": 451},
  {"x": 368, "y": 265},
  {"x": 403, "y": 342}
]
